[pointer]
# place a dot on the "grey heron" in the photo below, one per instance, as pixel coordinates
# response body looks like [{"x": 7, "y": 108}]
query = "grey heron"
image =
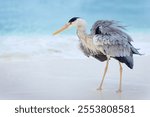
[{"x": 107, "y": 40}]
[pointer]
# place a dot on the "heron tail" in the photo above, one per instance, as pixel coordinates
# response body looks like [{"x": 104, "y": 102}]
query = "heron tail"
[
  {"x": 128, "y": 60},
  {"x": 135, "y": 51}
]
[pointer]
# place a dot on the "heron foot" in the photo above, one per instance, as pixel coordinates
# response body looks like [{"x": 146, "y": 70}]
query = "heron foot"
[
  {"x": 99, "y": 88},
  {"x": 119, "y": 91}
]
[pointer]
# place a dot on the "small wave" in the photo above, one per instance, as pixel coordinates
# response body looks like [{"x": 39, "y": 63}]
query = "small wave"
[{"x": 23, "y": 47}]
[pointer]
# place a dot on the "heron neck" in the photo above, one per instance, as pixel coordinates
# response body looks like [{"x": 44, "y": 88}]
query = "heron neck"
[
  {"x": 81, "y": 28},
  {"x": 81, "y": 31}
]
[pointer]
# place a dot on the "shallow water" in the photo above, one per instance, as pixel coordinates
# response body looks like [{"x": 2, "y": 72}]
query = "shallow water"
[{"x": 24, "y": 47}]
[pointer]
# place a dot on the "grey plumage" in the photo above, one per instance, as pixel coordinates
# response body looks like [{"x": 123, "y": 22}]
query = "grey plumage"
[{"x": 110, "y": 40}]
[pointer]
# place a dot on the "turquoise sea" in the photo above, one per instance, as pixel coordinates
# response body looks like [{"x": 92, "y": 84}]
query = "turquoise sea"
[
  {"x": 45, "y": 16},
  {"x": 26, "y": 26}
]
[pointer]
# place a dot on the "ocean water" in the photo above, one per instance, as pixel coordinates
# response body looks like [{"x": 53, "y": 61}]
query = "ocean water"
[
  {"x": 45, "y": 16},
  {"x": 26, "y": 26}
]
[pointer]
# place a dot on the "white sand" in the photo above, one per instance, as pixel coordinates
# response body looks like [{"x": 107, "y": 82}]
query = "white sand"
[{"x": 46, "y": 78}]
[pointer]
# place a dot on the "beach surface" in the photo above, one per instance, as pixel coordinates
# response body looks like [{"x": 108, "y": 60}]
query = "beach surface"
[{"x": 66, "y": 79}]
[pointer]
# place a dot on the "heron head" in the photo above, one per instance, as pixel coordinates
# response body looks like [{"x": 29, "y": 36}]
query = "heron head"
[{"x": 75, "y": 21}]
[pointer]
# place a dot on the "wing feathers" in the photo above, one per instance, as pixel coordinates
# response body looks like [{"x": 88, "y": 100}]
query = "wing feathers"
[{"x": 109, "y": 36}]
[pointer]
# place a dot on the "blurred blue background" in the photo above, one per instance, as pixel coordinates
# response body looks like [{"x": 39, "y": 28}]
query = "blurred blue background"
[{"x": 45, "y": 16}]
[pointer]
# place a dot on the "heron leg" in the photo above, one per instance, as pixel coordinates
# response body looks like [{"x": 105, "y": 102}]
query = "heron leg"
[
  {"x": 100, "y": 87},
  {"x": 120, "y": 82}
]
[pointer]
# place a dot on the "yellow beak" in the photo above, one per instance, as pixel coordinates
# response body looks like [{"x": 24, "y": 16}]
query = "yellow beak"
[{"x": 62, "y": 29}]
